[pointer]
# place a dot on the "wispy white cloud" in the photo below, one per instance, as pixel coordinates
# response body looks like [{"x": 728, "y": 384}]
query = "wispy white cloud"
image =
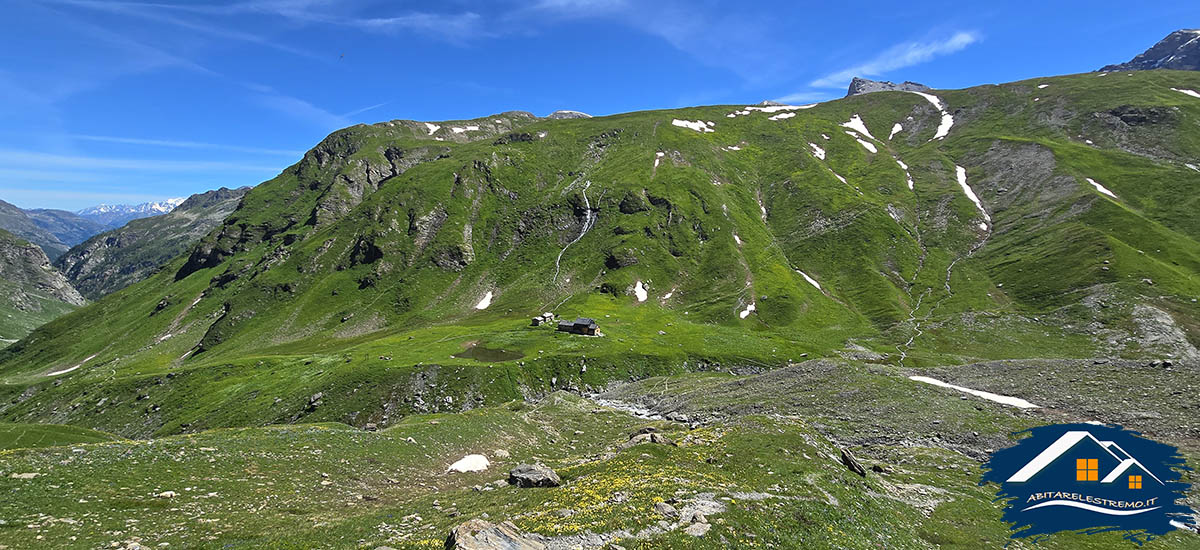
[
  {"x": 41, "y": 174},
  {"x": 363, "y": 110},
  {"x": 456, "y": 27},
  {"x": 295, "y": 107},
  {"x": 158, "y": 13},
  {"x": 804, "y": 97},
  {"x": 897, "y": 57},
  {"x": 18, "y": 159},
  {"x": 52, "y": 197},
  {"x": 186, "y": 145}
]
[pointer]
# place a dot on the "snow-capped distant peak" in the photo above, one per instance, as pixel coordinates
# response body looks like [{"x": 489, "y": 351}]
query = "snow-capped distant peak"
[{"x": 152, "y": 207}]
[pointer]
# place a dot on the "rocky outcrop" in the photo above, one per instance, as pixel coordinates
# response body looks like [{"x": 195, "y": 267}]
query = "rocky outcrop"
[
  {"x": 116, "y": 259},
  {"x": 533, "y": 475},
  {"x": 477, "y": 534},
  {"x": 1179, "y": 51},
  {"x": 568, "y": 114},
  {"x": 860, "y": 86}
]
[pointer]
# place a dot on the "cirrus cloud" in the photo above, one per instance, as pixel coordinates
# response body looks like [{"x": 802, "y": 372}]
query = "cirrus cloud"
[{"x": 899, "y": 56}]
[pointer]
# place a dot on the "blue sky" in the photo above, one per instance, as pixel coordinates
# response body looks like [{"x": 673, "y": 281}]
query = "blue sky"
[{"x": 133, "y": 101}]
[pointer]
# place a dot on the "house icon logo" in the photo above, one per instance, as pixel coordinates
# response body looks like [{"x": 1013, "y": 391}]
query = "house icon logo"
[{"x": 1090, "y": 478}]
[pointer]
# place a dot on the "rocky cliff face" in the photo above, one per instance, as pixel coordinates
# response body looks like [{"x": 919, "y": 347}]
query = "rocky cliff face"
[
  {"x": 863, "y": 86},
  {"x": 116, "y": 259},
  {"x": 25, "y": 264},
  {"x": 1179, "y": 51},
  {"x": 32, "y": 292}
]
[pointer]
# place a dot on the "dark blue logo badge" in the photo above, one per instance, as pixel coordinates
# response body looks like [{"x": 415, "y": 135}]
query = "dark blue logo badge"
[{"x": 1090, "y": 478}]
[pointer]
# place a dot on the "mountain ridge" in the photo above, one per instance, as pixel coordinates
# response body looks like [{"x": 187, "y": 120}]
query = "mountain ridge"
[
  {"x": 119, "y": 257},
  {"x": 1179, "y": 50},
  {"x": 17, "y": 221}
]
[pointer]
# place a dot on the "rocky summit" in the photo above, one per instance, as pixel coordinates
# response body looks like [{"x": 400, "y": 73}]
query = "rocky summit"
[
  {"x": 865, "y": 86},
  {"x": 1179, "y": 51}
]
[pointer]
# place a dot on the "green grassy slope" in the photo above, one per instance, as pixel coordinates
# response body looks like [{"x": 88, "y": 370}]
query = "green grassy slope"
[
  {"x": 28, "y": 436},
  {"x": 356, "y": 273}
]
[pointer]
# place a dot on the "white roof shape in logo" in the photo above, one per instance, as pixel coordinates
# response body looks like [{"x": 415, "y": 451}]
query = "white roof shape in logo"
[{"x": 1067, "y": 441}]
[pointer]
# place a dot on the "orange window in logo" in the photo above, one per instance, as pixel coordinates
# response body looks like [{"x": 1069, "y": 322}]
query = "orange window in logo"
[
  {"x": 1135, "y": 482},
  {"x": 1087, "y": 469}
]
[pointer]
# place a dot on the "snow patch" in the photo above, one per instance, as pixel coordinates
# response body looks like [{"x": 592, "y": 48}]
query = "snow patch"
[
  {"x": 1002, "y": 399},
  {"x": 467, "y": 129},
  {"x": 485, "y": 302},
  {"x": 907, "y": 175},
  {"x": 962, "y": 182},
  {"x": 668, "y": 295},
  {"x": 658, "y": 157},
  {"x": 817, "y": 151},
  {"x": 732, "y": 148},
  {"x": 746, "y": 312},
  {"x": 856, "y": 123},
  {"x": 1192, "y": 93},
  {"x": 825, "y": 137},
  {"x": 697, "y": 125},
  {"x": 1102, "y": 74},
  {"x": 639, "y": 290},
  {"x": 810, "y": 280},
  {"x": 432, "y": 128},
  {"x": 775, "y": 108},
  {"x": 737, "y": 239},
  {"x": 1100, "y": 188},
  {"x": 781, "y": 116},
  {"x": 866, "y": 144},
  {"x": 836, "y": 175},
  {"x": 1192, "y": 166},
  {"x": 1043, "y": 86},
  {"x": 64, "y": 371},
  {"x": 896, "y": 129},
  {"x": 470, "y": 463},
  {"x": 943, "y": 129}
]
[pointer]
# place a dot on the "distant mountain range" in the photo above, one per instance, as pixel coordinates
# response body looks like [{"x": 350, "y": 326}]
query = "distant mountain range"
[
  {"x": 56, "y": 231},
  {"x": 117, "y": 258},
  {"x": 113, "y": 216}
]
